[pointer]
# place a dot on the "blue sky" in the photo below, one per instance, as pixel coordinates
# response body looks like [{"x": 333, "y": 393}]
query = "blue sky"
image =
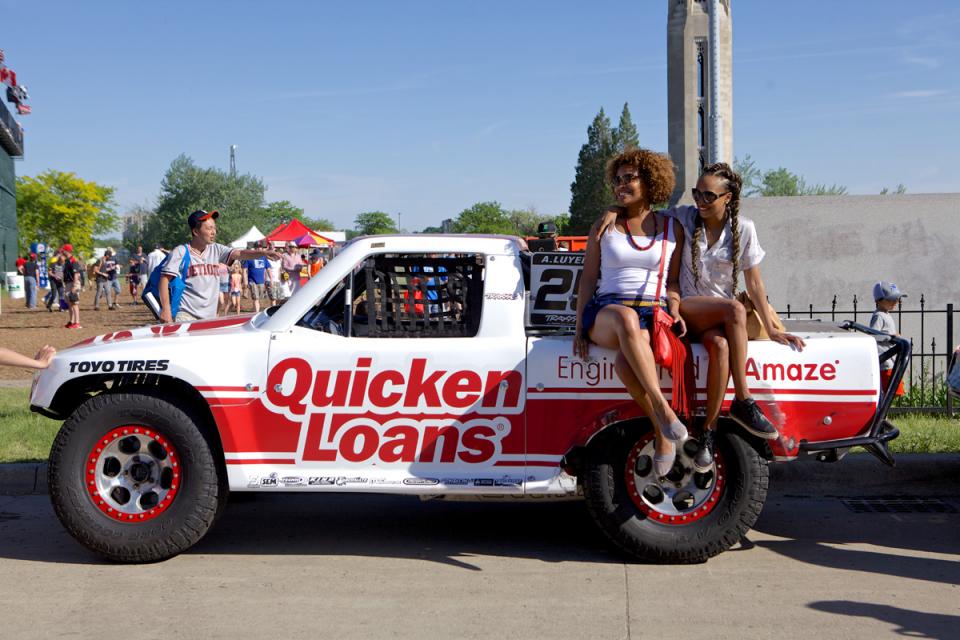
[{"x": 425, "y": 108}]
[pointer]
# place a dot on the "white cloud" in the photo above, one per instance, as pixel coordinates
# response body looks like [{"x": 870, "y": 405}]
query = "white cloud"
[
  {"x": 922, "y": 61},
  {"x": 920, "y": 93}
]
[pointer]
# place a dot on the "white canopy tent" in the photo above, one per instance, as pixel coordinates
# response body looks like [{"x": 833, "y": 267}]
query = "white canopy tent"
[{"x": 253, "y": 235}]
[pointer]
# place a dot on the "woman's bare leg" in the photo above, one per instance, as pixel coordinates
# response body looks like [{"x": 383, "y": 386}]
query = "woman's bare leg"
[
  {"x": 629, "y": 380},
  {"x": 617, "y": 327},
  {"x": 718, "y": 374},
  {"x": 702, "y": 314}
]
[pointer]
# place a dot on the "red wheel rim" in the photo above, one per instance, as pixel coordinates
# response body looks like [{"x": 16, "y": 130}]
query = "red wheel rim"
[
  {"x": 665, "y": 511},
  {"x": 132, "y": 474}
]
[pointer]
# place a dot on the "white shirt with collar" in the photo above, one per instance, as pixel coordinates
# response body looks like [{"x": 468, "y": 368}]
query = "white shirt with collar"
[{"x": 716, "y": 262}]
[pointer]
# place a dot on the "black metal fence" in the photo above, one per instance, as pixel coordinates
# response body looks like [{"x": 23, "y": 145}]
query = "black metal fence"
[{"x": 925, "y": 381}]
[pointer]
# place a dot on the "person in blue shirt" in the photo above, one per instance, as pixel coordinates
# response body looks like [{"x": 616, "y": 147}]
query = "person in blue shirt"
[{"x": 253, "y": 275}]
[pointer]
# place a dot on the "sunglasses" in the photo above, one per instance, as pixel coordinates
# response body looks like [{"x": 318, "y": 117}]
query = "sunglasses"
[
  {"x": 626, "y": 178},
  {"x": 706, "y": 197}
]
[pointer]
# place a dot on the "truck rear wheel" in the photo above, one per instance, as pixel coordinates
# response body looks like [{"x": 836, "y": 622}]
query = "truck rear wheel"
[
  {"x": 133, "y": 478},
  {"x": 689, "y": 517}
]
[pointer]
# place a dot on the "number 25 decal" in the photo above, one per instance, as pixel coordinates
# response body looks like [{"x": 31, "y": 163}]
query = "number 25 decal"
[{"x": 555, "y": 293}]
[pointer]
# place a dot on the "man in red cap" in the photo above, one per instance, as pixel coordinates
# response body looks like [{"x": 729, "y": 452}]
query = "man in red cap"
[
  {"x": 71, "y": 285},
  {"x": 199, "y": 301}
]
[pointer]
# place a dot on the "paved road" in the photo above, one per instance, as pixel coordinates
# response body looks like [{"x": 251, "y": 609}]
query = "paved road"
[{"x": 295, "y": 566}]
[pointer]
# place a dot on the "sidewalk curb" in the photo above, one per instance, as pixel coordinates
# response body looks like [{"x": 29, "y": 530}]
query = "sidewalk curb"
[
  {"x": 924, "y": 473},
  {"x": 23, "y": 478}
]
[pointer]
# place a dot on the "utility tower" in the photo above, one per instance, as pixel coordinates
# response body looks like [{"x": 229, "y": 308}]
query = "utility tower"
[
  {"x": 233, "y": 160},
  {"x": 699, "y": 88}
]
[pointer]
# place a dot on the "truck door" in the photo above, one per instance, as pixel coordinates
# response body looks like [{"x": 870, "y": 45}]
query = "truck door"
[{"x": 400, "y": 382}]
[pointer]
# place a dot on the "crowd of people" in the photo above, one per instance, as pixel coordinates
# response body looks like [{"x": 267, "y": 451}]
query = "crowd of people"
[{"x": 232, "y": 275}]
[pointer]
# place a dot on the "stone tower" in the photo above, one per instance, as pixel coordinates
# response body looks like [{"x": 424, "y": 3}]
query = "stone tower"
[{"x": 689, "y": 88}]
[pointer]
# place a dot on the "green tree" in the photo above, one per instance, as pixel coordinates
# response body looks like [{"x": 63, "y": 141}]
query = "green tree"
[
  {"x": 374, "y": 223},
  {"x": 187, "y": 187},
  {"x": 625, "y": 135},
  {"x": 57, "y": 207},
  {"x": 525, "y": 221},
  {"x": 319, "y": 224},
  {"x": 900, "y": 190},
  {"x": 780, "y": 182},
  {"x": 590, "y": 193},
  {"x": 821, "y": 189},
  {"x": 484, "y": 217},
  {"x": 750, "y": 174},
  {"x": 563, "y": 224},
  {"x": 273, "y": 214}
]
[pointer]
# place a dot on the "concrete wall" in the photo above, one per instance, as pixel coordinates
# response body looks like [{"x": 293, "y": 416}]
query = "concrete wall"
[{"x": 818, "y": 246}]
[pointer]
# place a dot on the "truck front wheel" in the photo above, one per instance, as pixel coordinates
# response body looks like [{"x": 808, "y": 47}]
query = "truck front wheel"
[
  {"x": 133, "y": 477},
  {"x": 687, "y": 517}
]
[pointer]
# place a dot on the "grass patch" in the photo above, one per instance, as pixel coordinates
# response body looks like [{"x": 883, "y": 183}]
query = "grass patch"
[
  {"x": 26, "y": 436},
  {"x": 921, "y": 433}
]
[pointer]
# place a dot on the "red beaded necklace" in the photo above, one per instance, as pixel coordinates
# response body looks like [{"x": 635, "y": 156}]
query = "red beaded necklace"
[{"x": 633, "y": 243}]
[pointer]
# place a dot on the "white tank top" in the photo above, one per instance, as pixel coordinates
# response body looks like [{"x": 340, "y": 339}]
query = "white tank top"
[{"x": 629, "y": 272}]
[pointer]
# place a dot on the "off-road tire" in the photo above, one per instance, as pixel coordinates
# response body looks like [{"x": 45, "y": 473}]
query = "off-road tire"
[
  {"x": 737, "y": 507},
  {"x": 200, "y": 495}
]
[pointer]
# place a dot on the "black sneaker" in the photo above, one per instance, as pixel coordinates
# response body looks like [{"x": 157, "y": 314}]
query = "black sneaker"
[
  {"x": 703, "y": 460},
  {"x": 751, "y": 418}
]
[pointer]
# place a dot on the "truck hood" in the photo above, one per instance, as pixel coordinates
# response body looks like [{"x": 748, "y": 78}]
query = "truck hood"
[
  {"x": 152, "y": 332},
  {"x": 226, "y": 352}
]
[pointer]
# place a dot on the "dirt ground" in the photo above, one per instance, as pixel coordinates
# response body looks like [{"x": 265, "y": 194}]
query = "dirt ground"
[{"x": 26, "y": 330}]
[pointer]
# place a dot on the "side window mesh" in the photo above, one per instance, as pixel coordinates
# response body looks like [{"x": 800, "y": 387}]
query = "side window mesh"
[{"x": 424, "y": 296}]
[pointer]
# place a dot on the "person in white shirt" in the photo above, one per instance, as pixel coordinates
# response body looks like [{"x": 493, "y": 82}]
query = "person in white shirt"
[{"x": 154, "y": 258}]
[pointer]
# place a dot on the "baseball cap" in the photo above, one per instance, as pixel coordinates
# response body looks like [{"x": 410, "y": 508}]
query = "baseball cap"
[
  {"x": 33, "y": 255},
  {"x": 887, "y": 291},
  {"x": 199, "y": 216},
  {"x": 546, "y": 228},
  {"x": 67, "y": 247}
]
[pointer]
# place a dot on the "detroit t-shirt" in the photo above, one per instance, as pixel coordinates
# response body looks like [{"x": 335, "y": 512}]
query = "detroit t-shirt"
[{"x": 203, "y": 278}]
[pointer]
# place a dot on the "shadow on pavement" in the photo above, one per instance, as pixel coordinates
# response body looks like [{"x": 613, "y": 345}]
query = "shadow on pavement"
[
  {"x": 406, "y": 527},
  {"x": 913, "y": 624},
  {"x": 349, "y": 525},
  {"x": 890, "y": 564},
  {"x": 825, "y": 519}
]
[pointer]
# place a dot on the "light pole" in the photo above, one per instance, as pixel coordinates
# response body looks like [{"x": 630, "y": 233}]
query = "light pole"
[{"x": 398, "y": 221}]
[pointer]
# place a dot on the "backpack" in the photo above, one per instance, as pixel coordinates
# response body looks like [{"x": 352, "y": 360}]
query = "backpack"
[{"x": 151, "y": 292}]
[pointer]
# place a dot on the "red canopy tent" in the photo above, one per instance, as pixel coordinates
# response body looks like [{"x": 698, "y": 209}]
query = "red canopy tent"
[{"x": 295, "y": 231}]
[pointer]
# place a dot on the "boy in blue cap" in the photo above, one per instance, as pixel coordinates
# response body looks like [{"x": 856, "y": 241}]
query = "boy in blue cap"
[{"x": 887, "y": 296}]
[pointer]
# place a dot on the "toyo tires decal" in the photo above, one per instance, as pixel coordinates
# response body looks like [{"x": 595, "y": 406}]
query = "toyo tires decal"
[
  {"x": 132, "y": 474},
  {"x": 683, "y": 496}
]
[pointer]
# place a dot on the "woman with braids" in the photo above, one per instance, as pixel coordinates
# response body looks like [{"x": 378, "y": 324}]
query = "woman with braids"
[
  {"x": 722, "y": 246},
  {"x": 617, "y": 312}
]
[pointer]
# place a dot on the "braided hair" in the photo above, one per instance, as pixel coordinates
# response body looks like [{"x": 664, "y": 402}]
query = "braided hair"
[{"x": 734, "y": 184}]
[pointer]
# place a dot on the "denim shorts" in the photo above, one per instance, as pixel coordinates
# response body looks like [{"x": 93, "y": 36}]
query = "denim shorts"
[{"x": 596, "y": 303}]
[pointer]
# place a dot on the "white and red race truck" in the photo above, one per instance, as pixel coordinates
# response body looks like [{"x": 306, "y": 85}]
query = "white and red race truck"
[{"x": 403, "y": 370}]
